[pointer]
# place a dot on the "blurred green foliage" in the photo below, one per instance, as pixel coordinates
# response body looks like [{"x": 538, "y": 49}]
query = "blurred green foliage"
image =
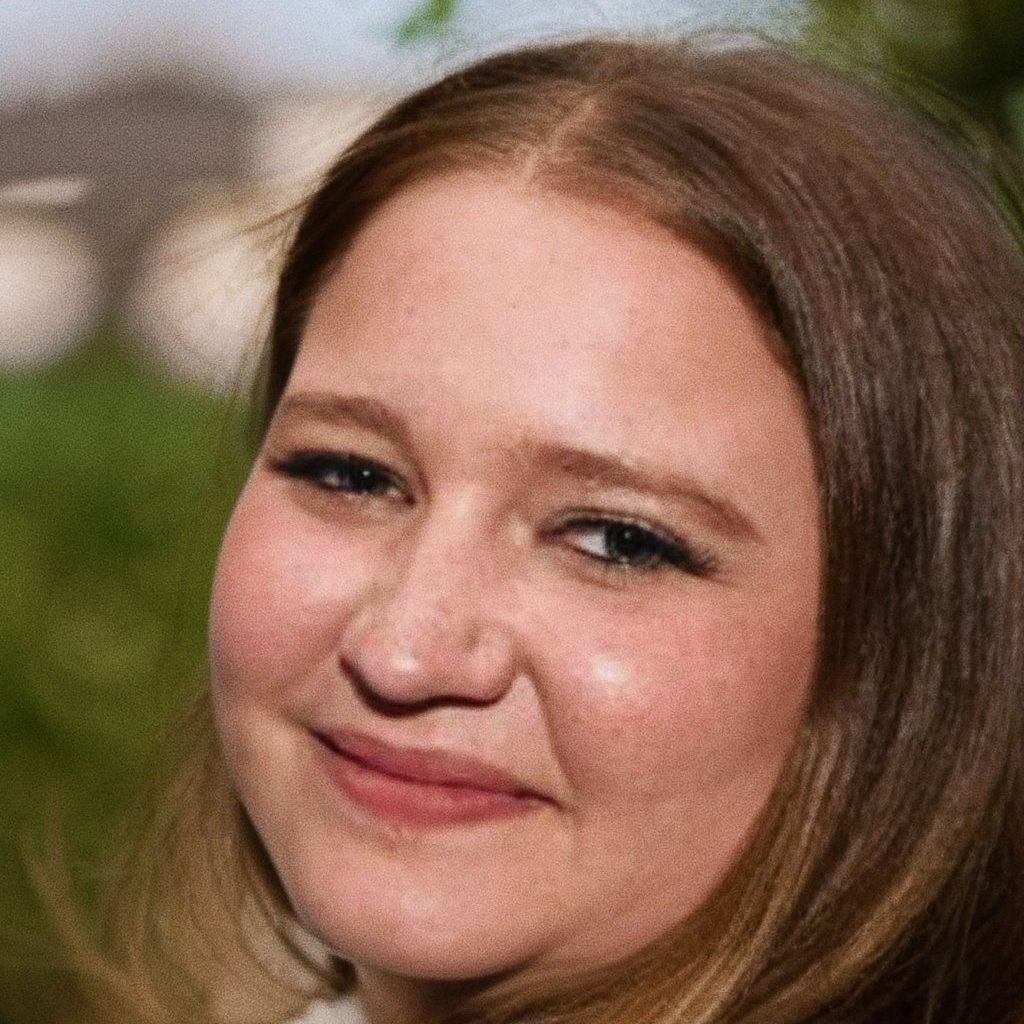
[
  {"x": 960, "y": 61},
  {"x": 429, "y": 19},
  {"x": 973, "y": 47},
  {"x": 114, "y": 487}
]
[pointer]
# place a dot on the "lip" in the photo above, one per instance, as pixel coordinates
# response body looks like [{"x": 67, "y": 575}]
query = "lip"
[{"x": 421, "y": 786}]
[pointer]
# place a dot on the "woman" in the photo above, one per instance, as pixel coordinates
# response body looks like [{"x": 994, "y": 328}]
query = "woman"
[{"x": 622, "y": 619}]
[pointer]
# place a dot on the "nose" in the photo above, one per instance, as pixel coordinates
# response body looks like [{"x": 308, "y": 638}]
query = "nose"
[{"x": 431, "y": 627}]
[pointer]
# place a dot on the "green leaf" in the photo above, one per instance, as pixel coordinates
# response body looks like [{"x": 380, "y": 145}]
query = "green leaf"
[{"x": 429, "y": 19}]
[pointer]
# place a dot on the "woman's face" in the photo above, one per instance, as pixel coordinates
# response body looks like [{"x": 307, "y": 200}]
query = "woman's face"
[{"x": 515, "y": 620}]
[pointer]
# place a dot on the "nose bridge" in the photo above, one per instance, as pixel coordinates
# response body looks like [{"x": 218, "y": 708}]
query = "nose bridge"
[
  {"x": 441, "y": 575},
  {"x": 432, "y": 627}
]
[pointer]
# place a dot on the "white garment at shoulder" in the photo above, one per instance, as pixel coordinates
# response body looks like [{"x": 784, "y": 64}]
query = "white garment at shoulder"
[{"x": 336, "y": 1011}]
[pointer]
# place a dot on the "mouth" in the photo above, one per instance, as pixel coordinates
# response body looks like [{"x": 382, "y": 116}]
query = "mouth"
[{"x": 416, "y": 786}]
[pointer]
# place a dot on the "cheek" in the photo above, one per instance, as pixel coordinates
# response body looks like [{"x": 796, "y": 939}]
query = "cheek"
[
  {"x": 275, "y": 605},
  {"x": 704, "y": 698}
]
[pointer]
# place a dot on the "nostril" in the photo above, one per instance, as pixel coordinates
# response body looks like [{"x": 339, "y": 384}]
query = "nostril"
[
  {"x": 386, "y": 699},
  {"x": 410, "y": 651},
  {"x": 391, "y": 704}
]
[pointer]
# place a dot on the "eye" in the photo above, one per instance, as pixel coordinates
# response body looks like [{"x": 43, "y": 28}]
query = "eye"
[
  {"x": 622, "y": 544},
  {"x": 343, "y": 472}
]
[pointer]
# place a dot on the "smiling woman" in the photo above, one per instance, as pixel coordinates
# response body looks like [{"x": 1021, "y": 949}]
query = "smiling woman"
[
  {"x": 440, "y": 583},
  {"x": 621, "y": 620}
]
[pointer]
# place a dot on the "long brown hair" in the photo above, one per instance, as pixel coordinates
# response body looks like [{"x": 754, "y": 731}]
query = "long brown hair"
[{"x": 885, "y": 879}]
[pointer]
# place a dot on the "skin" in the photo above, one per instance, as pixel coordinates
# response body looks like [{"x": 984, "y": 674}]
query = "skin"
[{"x": 461, "y": 607}]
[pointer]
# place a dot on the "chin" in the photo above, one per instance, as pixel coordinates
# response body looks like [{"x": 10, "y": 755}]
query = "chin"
[
  {"x": 417, "y": 935},
  {"x": 434, "y": 956}
]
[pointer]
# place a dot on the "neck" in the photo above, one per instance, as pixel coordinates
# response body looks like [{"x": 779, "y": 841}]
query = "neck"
[{"x": 394, "y": 999}]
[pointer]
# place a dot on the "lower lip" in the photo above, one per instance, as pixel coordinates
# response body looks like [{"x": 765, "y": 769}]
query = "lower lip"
[{"x": 420, "y": 803}]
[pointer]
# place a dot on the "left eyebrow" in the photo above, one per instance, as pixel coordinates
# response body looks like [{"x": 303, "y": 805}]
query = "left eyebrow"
[{"x": 615, "y": 471}]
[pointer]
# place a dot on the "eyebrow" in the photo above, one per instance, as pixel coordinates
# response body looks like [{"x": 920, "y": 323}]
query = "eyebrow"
[
  {"x": 596, "y": 468},
  {"x": 344, "y": 410}
]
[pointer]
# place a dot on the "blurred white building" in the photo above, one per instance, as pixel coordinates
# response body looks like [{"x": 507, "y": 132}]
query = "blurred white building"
[
  {"x": 173, "y": 164},
  {"x": 200, "y": 299},
  {"x": 163, "y": 203},
  {"x": 50, "y": 288}
]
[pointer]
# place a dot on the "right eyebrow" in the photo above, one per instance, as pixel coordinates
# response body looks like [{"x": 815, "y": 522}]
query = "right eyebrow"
[{"x": 343, "y": 410}]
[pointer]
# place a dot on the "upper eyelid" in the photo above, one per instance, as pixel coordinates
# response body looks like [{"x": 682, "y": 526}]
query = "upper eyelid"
[
  {"x": 597, "y": 519},
  {"x": 310, "y": 453},
  {"x": 289, "y": 460},
  {"x": 582, "y": 518},
  {"x": 280, "y": 451}
]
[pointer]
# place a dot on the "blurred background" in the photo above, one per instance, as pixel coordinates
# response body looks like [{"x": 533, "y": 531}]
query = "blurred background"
[{"x": 150, "y": 153}]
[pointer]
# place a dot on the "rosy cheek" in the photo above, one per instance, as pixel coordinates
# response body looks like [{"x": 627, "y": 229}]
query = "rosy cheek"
[
  {"x": 274, "y": 603},
  {"x": 706, "y": 702}
]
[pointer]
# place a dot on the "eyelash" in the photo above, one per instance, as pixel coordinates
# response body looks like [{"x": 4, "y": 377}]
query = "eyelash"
[
  {"x": 355, "y": 476},
  {"x": 315, "y": 467},
  {"x": 658, "y": 548}
]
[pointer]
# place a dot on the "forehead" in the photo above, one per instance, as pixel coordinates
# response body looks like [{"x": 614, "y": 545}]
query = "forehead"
[
  {"x": 514, "y": 309},
  {"x": 453, "y": 264}
]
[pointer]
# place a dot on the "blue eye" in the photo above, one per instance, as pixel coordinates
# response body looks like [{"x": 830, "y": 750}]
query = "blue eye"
[
  {"x": 341, "y": 472},
  {"x": 623, "y": 544}
]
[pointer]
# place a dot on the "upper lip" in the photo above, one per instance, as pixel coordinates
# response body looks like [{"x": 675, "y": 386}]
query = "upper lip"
[{"x": 416, "y": 764}]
